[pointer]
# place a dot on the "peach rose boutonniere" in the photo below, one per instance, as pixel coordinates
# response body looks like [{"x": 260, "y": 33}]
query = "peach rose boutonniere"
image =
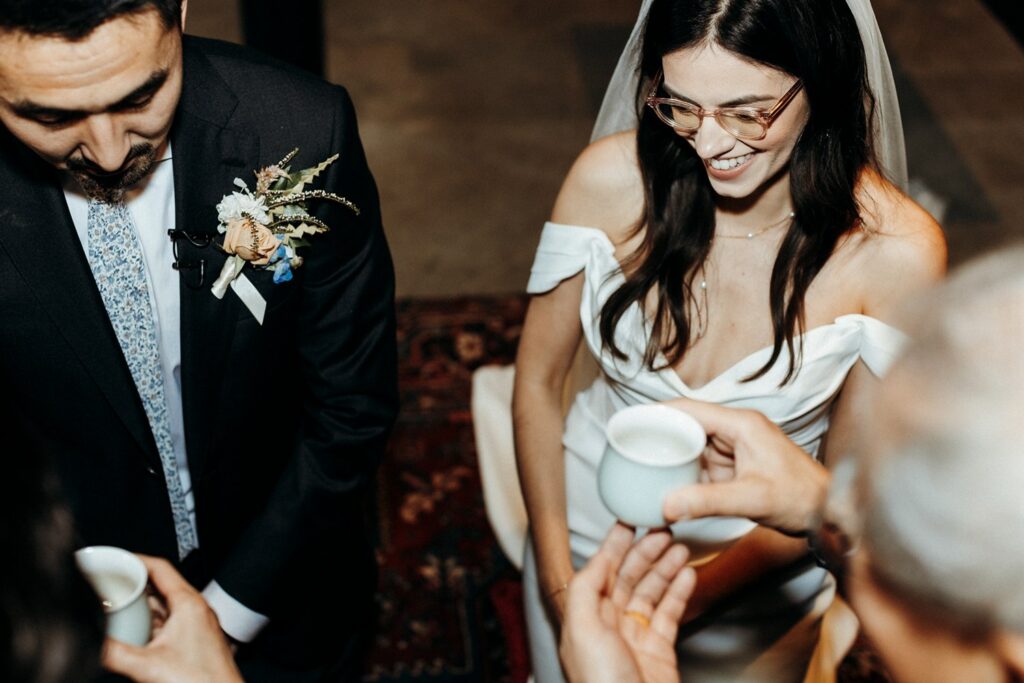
[
  {"x": 250, "y": 241},
  {"x": 266, "y": 228}
]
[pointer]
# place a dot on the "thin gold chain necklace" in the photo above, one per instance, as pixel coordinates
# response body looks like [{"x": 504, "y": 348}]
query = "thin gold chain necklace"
[
  {"x": 751, "y": 235},
  {"x": 702, "y": 303}
]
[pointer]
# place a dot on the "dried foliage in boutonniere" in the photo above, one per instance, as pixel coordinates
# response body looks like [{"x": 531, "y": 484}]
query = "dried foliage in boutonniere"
[{"x": 266, "y": 228}]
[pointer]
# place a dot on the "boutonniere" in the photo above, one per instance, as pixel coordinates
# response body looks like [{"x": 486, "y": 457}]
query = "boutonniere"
[{"x": 265, "y": 228}]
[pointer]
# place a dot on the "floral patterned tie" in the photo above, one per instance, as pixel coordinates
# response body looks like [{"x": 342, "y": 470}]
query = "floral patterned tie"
[{"x": 115, "y": 257}]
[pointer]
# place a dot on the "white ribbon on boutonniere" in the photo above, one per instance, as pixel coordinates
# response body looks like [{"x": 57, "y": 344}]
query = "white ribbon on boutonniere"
[
  {"x": 231, "y": 276},
  {"x": 265, "y": 228}
]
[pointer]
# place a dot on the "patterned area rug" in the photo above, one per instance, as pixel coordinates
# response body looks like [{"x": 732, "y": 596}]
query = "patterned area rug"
[{"x": 450, "y": 603}]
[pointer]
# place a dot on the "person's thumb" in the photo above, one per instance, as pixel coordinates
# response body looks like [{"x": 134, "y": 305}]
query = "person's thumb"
[
  {"x": 127, "y": 660},
  {"x": 735, "y": 498}
]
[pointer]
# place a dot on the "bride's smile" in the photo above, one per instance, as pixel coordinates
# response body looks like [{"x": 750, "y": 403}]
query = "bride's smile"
[
  {"x": 730, "y": 168},
  {"x": 713, "y": 77}
]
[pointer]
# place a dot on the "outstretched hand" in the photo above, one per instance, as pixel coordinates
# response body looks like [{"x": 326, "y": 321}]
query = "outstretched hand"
[
  {"x": 756, "y": 472},
  {"x": 623, "y": 611},
  {"x": 189, "y": 646}
]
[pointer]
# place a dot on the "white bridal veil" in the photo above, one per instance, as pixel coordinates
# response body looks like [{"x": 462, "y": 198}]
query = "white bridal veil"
[{"x": 618, "y": 110}]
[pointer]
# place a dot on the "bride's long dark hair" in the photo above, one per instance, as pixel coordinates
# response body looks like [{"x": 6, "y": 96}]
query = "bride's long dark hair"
[{"x": 816, "y": 41}]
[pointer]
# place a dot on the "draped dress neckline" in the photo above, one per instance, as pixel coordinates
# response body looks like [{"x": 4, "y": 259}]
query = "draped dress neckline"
[{"x": 565, "y": 250}]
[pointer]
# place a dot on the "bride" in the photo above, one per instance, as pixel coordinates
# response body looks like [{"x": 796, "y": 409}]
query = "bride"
[{"x": 745, "y": 245}]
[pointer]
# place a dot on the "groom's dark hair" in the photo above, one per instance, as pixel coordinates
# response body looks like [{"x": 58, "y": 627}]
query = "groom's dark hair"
[{"x": 76, "y": 19}]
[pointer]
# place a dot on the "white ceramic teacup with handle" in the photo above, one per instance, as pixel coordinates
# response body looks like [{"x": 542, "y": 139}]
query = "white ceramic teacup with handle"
[
  {"x": 651, "y": 450},
  {"x": 119, "y": 579}
]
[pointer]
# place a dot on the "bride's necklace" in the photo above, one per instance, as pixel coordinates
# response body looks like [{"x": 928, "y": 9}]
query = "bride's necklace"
[
  {"x": 702, "y": 306},
  {"x": 754, "y": 233},
  {"x": 702, "y": 302}
]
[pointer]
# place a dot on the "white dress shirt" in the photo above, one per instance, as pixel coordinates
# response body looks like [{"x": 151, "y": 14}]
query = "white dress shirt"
[{"x": 151, "y": 204}]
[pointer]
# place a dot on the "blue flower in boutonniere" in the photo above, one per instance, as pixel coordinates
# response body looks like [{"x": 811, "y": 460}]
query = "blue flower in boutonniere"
[
  {"x": 266, "y": 228},
  {"x": 283, "y": 262}
]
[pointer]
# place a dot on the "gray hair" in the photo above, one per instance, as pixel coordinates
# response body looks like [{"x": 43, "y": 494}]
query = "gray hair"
[{"x": 943, "y": 484}]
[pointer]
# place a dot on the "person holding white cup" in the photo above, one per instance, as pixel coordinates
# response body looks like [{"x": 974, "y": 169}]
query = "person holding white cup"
[
  {"x": 925, "y": 516},
  {"x": 189, "y": 647},
  {"x": 53, "y": 619}
]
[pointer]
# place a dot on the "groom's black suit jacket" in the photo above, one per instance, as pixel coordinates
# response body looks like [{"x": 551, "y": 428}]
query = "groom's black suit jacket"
[{"x": 284, "y": 422}]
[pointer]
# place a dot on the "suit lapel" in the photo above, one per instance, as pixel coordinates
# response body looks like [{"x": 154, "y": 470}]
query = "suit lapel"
[
  {"x": 210, "y": 149},
  {"x": 40, "y": 239}
]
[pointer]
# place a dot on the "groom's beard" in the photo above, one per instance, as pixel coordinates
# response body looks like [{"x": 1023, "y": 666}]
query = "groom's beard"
[{"x": 110, "y": 187}]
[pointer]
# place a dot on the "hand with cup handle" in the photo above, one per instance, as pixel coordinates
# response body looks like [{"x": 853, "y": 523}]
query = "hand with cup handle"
[
  {"x": 623, "y": 611},
  {"x": 773, "y": 481},
  {"x": 188, "y": 648}
]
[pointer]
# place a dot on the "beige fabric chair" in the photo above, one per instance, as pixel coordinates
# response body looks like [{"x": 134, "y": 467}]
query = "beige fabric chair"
[{"x": 491, "y": 405}]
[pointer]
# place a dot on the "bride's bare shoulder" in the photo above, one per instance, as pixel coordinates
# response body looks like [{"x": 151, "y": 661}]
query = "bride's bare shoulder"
[
  {"x": 900, "y": 247},
  {"x": 604, "y": 188}
]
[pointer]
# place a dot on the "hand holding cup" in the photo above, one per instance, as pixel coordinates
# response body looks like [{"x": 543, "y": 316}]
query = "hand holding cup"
[{"x": 190, "y": 648}]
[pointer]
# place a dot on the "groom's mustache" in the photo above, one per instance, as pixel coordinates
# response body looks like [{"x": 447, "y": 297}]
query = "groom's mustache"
[
  {"x": 110, "y": 187},
  {"x": 82, "y": 165}
]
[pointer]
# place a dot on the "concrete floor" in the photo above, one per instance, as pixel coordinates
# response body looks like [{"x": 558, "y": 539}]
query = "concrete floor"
[{"x": 472, "y": 112}]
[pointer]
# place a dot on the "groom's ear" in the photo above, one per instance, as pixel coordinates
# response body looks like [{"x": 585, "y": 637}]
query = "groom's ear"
[{"x": 184, "y": 13}]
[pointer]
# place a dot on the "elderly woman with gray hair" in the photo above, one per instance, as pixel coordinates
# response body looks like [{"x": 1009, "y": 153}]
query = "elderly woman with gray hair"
[
  {"x": 939, "y": 579},
  {"x": 926, "y": 519}
]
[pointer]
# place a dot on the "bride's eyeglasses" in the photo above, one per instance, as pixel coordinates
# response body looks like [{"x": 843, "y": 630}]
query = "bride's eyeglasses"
[{"x": 747, "y": 123}]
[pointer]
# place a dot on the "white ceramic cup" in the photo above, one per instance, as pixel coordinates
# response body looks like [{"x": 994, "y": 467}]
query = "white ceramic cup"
[
  {"x": 119, "y": 578},
  {"x": 651, "y": 450}
]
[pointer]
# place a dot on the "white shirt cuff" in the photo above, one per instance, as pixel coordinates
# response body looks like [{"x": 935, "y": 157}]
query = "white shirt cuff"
[{"x": 237, "y": 620}]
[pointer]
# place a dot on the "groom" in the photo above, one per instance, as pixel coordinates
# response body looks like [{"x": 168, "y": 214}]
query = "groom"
[{"x": 182, "y": 427}]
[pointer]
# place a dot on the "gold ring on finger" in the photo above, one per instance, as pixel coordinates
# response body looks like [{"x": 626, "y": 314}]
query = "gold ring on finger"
[{"x": 639, "y": 618}]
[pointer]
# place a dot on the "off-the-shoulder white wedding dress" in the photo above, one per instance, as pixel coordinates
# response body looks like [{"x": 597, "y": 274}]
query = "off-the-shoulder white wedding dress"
[{"x": 767, "y": 633}]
